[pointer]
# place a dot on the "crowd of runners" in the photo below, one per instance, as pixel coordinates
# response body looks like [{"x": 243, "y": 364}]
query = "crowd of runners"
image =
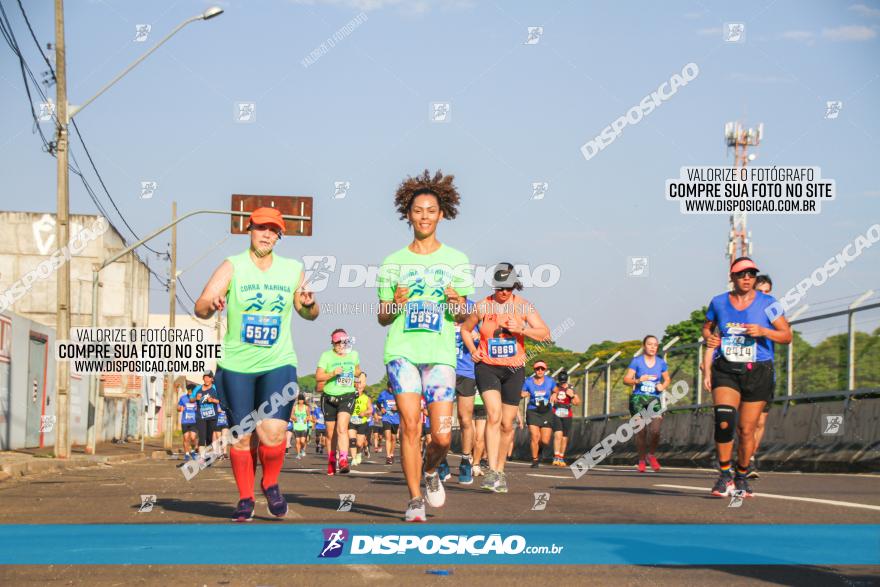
[{"x": 442, "y": 349}]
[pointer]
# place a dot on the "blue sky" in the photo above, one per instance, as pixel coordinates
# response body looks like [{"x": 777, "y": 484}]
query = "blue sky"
[{"x": 519, "y": 114}]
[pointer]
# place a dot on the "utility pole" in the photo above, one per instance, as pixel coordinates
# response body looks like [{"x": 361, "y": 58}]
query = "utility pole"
[
  {"x": 168, "y": 404},
  {"x": 739, "y": 244},
  {"x": 62, "y": 237}
]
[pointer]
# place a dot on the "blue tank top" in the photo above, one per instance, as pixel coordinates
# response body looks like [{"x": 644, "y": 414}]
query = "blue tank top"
[
  {"x": 464, "y": 364},
  {"x": 736, "y": 346},
  {"x": 539, "y": 393}
]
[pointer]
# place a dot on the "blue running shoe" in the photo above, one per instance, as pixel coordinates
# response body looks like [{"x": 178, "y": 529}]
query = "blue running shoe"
[
  {"x": 443, "y": 470},
  {"x": 465, "y": 472},
  {"x": 275, "y": 501},
  {"x": 244, "y": 511}
]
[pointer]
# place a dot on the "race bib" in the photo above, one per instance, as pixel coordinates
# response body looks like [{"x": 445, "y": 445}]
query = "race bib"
[
  {"x": 422, "y": 316},
  {"x": 356, "y": 420},
  {"x": 648, "y": 387},
  {"x": 221, "y": 419},
  {"x": 260, "y": 329},
  {"x": 739, "y": 348},
  {"x": 391, "y": 405},
  {"x": 208, "y": 410},
  {"x": 502, "y": 348},
  {"x": 189, "y": 414},
  {"x": 562, "y": 412},
  {"x": 345, "y": 379}
]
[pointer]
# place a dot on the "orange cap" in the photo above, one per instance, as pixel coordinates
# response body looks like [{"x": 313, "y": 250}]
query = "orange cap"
[{"x": 270, "y": 216}]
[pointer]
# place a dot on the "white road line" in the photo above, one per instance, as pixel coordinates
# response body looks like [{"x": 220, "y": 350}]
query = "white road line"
[
  {"x": 550, "y": 476},
  {"x": 353, "y": 472},
  {"x": 845, "y": 504}
]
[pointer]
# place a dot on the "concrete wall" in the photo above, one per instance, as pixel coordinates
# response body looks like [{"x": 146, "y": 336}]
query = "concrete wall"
[
  {"x": 793, "y": 440},
  {"x": 28, "y": 239}
]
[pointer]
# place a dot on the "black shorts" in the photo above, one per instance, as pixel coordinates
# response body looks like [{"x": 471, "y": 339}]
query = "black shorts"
[
  {"x": 300, "y": 433},
  {"x": 754, "y": 385},
  {"x": 375, "y": 429},
  {"x": 190, "y": 428},
  {"x": 426, "y": 430},
  {"x": 561, "y": 425},
  {"x": 362, "y": 429},
  {"x": 539, "y": 419},
  {"x": 480, "y": 412},
  {"x": 334, "y": 404},
  {"x": 392, "y": 427},
  {"x": 508, "y": 380},
  {"x": 206, "y": 431},
  {"x": 465, "y": 386}
]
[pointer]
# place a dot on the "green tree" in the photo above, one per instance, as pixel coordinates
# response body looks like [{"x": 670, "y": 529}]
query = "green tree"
[{"x": 689, "y": 330}]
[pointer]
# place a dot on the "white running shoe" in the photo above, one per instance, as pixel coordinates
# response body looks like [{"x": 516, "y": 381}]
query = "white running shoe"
[
  {"x": 434, "y": 492},
  {"x": 415, "y": 510}
]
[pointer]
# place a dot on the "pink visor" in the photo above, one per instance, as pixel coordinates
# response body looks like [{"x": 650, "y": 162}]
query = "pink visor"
[
  {"x": 743, "y": 265},
  {"x": 338, "y": 337},
  {"x": 539, "y": 364}
]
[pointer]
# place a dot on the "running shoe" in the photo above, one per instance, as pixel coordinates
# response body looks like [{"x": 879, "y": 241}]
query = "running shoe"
[
  {"x": 465, "y": 472},
  {"x": 367, "y": 452},
  {"x": 501, "y": 483},
  {"x": 389, "y": 460},
  {"x": 186, "y": 457},
  {"x": 753, "y": 470},
  {"x": 655, "y": 465},
  {"x": 642, "y": 467},
  {"x": 331, "y": 465},
  {"x": 484, "y": 464},
  {"x": 443, "y": 470},
  {"x": 723, "y": 486},
  {"x": 435, "y": 495},
  {"x": 302, "y": 454},
  {"x": 558, "y": 462},
  {"x": 536, "y": 463},
  {"x": 244, "y": 511},
  {"x": 740, "y": 483},
  {"x": 415, "y": 510},
  {"x": 478, "y": 471},
  {"x": 343, "y": 464},
  {"x": 276, "y": 503},
  {"x": 489, "y": 480}
]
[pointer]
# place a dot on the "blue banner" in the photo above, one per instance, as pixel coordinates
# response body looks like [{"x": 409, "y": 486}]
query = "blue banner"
[{"x": 494, "y": 544}]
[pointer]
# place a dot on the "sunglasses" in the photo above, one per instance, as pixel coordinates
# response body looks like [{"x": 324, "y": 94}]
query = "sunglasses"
[
  {"x": 503, "y": 289},
  {"x": 344, "y": 341},
  {"x": 748, "y": 272},
  {"x": 540, "y": 368}
]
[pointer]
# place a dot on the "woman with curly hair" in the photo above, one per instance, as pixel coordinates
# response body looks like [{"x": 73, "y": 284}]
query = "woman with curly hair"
[{"x": 423, "y": 291}]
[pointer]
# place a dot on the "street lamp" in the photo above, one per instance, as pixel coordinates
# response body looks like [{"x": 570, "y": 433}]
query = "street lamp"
[{"x": 65, "y": 112}]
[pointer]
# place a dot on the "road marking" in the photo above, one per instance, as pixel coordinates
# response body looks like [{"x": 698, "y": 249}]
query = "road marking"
[
  {"x": 845, "y": 504},
  {"x": 367, "y": 472},
  {"x": 549, "y": 476},
  {"x": 373, "y": 572}
]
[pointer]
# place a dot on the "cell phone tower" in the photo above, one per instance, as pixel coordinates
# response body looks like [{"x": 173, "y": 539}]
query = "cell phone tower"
[{"x": 739, "y": 242}]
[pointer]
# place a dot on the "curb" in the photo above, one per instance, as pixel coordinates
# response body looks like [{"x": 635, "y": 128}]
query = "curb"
[{"x": 37, "y": 466}]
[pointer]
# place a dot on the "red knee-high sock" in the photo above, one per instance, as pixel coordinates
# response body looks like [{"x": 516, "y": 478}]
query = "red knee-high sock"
[
  {"x": 253, "y": 450},
  {"x": 272, "y": 458},
  {"x": 243, "y": 465}
]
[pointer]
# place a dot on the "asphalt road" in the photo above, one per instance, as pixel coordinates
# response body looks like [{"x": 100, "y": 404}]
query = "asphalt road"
[{"x": 608, "y": 495}]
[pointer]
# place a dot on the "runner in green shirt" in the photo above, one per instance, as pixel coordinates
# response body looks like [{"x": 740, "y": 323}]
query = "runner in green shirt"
[
  {"x": 301, "y": 418},
  {"x": 260, "y": 291},
  {"x": 337, "y": 369},
  {"x": 423, "y": 289},
  {"x": 360, "y": 421}
]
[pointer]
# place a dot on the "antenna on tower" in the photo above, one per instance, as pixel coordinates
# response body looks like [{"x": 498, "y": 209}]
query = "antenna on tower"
[{"x": 739, "y": 242}]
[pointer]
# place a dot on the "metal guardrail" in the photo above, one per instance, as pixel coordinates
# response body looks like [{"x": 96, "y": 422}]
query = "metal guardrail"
[
  {"x": 786, "y": 399},
  {"x": 605, "y": 368}
]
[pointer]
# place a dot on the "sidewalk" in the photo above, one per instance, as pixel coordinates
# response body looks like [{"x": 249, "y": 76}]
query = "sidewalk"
[{"x": 31, "y": 461}]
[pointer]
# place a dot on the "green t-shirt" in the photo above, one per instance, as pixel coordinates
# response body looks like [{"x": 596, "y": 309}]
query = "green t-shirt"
[
  {"x": 300, "y": 418},
  {"x": 258, "y": 308},
  {"x": 478, "y": 399},
  {"x": 344, "y": 382},
  {"x": 424, "y": 333}
]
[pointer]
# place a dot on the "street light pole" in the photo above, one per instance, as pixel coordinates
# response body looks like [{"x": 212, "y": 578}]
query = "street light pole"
[
  {"x": 172, "y": 311},
  {"x": 64, "y": 112},
  {"x": 62, "y": 236}
]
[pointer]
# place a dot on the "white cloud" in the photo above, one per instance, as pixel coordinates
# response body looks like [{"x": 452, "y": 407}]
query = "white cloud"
[
  {"x": 406, "y": 6},
  {"x": 761, "y": 79},
  {"x": 865, "y": 10},
  {"x": 850, "y": 33},
  {"x": 799, "y": 36}
]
